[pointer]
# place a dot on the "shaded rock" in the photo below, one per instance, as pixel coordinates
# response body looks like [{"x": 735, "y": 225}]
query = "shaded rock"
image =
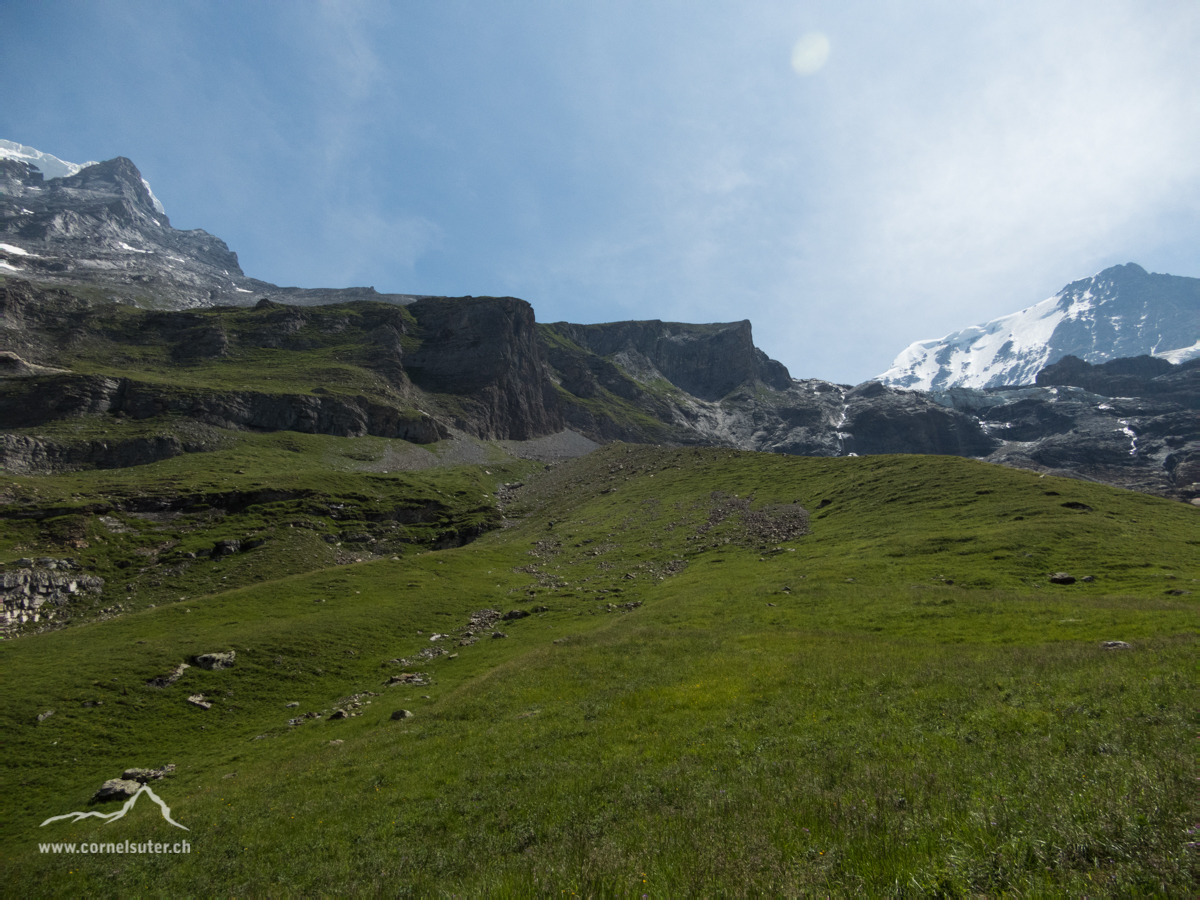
[
  {"x": 1062, "y": 578},
  {"x": 44, "y": 716},
  {"x": 215, "y": 661},
  {"x": 170, "y": 678},
  {"x": 291, "y": 705},
  {"x": 1115, "y": 645},
  {"x": 499, "y": 634},
  {"x": 515, "y": 614},
  {"x": 401, "y": 714},
  {"x": 116, "y": 789},
  {"x": 198, "y": 700},
  {"x": 339, "y": 714}
]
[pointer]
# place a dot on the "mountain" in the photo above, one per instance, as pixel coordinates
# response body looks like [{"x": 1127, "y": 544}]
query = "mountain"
[
  {"x": 192, "y": 344},
  {"x": 53, "y": 167},
  {"x": 99, "y": 226},
  {"x": 1123, "y": 311}
]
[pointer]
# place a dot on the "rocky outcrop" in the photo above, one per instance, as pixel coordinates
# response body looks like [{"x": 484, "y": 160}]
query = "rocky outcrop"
[
  {"x": 1139, "y": 376},
  {"x": 1147, "y": 442},
  {"x": 40, "y": 590},
  {"x": 485, "y": 351},
  {"x": 884, "y": 420},
  {"x": 706, "y": 361},
  {"x": 24, "y": 455}
]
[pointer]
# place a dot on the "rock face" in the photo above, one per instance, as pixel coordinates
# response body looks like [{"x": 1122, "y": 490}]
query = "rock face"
[
  {"x": 1140, "y": 376},
  {"x": 1121, "y": 312},
  {"x": 1136, "y": 431},
  {"x": 706, "y": 361},
  {"x": 486, "y": 350}
]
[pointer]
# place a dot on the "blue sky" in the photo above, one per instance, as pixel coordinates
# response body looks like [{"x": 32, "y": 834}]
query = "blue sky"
[{"x": 949, "y": 162}]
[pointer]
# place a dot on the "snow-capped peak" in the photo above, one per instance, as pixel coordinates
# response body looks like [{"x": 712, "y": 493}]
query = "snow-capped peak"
[
  {"x": 53, "y": 167},
  {"x": 1122, "y": 311}
]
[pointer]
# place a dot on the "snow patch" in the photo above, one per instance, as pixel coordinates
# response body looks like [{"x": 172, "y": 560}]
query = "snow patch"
[
  {"x": 1181, "y": 355},
  {"x": 4, "y": 265},
  {"x": 15, "y": 251},
  {"x": 125, "y": 246}
]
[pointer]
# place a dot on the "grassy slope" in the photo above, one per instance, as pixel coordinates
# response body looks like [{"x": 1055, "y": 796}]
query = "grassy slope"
[{"x": 918, "y": 711}]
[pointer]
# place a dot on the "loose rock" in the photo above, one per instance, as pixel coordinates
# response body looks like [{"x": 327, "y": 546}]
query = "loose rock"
[
  {"x": 1116, "y": 645},
  {"x": 401, "y": 714},
  {"x": 1062, "y": 578},
  {"x": 198, "y": 700}
]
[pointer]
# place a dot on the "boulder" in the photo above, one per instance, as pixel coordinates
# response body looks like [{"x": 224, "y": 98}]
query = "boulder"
[
  {"x": 198, "y": 700},
  {"x": 1115, "y": 645},
  {"x": 1062, "y": 578},
  {"x": 214, "y": 661},
  {"x": 116, "y": 789},
  {"x": 401, "y": 714}
]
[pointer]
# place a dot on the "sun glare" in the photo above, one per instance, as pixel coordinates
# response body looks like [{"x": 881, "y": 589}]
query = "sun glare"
[{"x": 810, "y": 53}]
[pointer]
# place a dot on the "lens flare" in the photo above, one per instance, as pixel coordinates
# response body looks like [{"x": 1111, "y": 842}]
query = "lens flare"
[{"x": 810, "y": 53}]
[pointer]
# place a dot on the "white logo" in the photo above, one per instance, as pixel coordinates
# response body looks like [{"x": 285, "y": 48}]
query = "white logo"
[{"x": 112, "y": 817}]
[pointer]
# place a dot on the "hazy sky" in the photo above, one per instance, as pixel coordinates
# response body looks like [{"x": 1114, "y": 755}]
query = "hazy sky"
[{"x": 850, "y": 176}]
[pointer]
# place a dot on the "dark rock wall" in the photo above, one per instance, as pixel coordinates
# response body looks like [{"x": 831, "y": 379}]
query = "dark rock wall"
[
  {"x": 486, "y": 351},
  {"x": 707, "y": 361}
]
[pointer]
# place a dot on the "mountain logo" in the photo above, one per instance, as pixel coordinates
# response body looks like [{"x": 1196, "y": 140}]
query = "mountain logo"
[{"x": 112, "y": 817}]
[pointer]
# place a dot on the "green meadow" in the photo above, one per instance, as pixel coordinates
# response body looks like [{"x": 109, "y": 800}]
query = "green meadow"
[{"x": 737, "y": 674}]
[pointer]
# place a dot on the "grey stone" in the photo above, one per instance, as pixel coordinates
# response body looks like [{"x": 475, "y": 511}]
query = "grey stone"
[
  {"x": 1116, "y": 645},
  {"x": 401, "y": 714},
  {"x": 499, "y": 634},
  {"x": 116, "y": 789},
  {"x": 198, "y": 700},
  {"x": 170, "y": 678},
  {"x": 1062, "y": 578},
  {"x": 144, "y": 775},
  {"x": 214, "y": 661},
  {"x": 44, "y": 716}
]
